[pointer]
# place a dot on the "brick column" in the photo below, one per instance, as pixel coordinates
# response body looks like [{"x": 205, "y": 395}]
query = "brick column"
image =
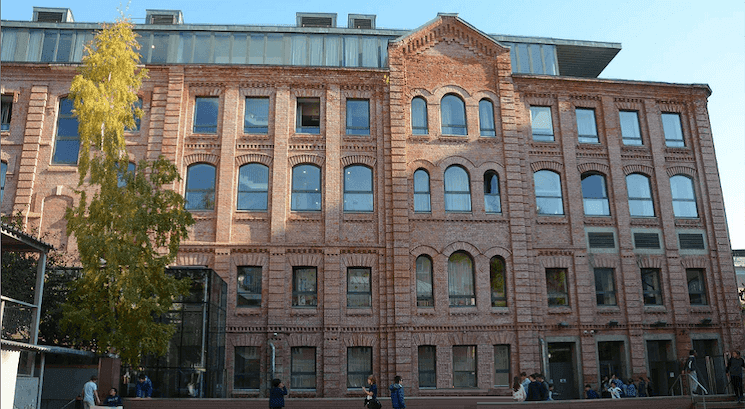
[
  {"x": 31, "y": 146},
  {"x": 280, "y": 168},
  {"x": 226, "y": 191}
]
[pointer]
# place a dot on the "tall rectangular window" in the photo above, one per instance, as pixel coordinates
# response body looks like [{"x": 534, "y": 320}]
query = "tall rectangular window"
[
  {"x": 359, "y": 366},
  {"x": 304, "y": 287},
  {"x": 541, "y": 123},
  {"x": 249, "y": 286},
  {"x": 358, "y": 189},
  {"x": 6, "y": 104},
  {"x": 673, "y": 130},
  {"x": 205, "y": 114},
  {"x": 68, "y": 141},
  {"x": 427, "y": 357},
  {"x": 501, "y": 365},
  {"x": 421, "y": 191},
  {"x": 605, "y": 286},
  {"x": 651, "y": 286},
  {"x": 358, "y": 117},
  {"x": 556, "y": 286},
  {"x": 303, "y": 368},
  {"x": 630, "y": 131},
  {"x": 308, "y": 119},
  {"x": 247, "y": 368},
  {"x": 587, "y": 131},
  {"x": 256, "y": 117},
  {"x": 359, "y": 289},
  {"x": 424, "y": 297},
  {"x": 696, "y": 286},
  {"x": 464, "y": 366}
]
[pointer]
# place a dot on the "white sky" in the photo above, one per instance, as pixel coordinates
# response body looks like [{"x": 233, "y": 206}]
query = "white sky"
[{"x": 669, "y": 41}]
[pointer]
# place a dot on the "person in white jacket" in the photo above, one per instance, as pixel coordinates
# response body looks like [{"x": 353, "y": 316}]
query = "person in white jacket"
[{"x": 518, "y": 390}]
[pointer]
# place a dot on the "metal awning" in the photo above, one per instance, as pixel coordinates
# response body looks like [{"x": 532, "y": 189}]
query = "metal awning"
[{"x": 48, "y": 349}]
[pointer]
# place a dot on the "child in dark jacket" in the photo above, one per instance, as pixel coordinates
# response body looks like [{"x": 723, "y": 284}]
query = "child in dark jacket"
[
  {"x": 277, "y": 394},
  {"x": 113, "y": 400},
  {"x": 397, "y": 393}
]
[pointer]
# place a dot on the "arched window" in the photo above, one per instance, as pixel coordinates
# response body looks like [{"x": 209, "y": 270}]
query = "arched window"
[
  {"x": 67, "y": 143},
  {"x": 457, "y": 190},
  {"x": 200, "y": 187},
  {"x": 453, "y": 111},
  {"x": 358, "y": 189},
  {"x": 424, "y": 295},
  {"x": 497, "y": 282},
  {"x": 306, "y": 188},
  {"x": 421, "y": 191},
  {"x": 491, "y": 192},
  {"x": 253, "y": 187},
  {"x": 684, "y": 197},
  {"x": 548, "y": 192},
  {"x": 419, "y": 124},
  {"x": 486, "y": 118},
  {"x": 460, "y": 280},
  {"x": 640, "y": 195},
  {"x": 595, "y": 195}
]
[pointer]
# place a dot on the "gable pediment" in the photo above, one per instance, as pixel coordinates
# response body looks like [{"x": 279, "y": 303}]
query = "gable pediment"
[{"x": 450, "y": 29}]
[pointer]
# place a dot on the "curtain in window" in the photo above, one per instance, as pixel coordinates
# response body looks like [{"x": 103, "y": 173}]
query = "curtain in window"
[
  {"x": 333, "y": 53},
  {"x": 548, "y": 192},
  {"x": 421, "y": 191},
  {"x": 457, "y": 190},
  {"x": 460, "y": 280},
  {"x": 453, "y": 116},
  {"x": 424, "y": 282},
  {"x": 369, "y": 52},
  {"x": 640, "y": 196},
  {"x": 684, "y": 199},
  {"x": 419, "y": 116},
  {"x": 299, "y": 50},
  {"x": 315, "y": 45},
  {"x": 351, "y": 51}
]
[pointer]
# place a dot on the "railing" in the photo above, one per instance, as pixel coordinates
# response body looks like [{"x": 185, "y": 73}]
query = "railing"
[
  {"x": 679, "y": 381},
  {"x": 17, "y": 319}
]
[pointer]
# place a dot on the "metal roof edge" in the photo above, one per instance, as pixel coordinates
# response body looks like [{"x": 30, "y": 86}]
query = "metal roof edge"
[
  {"x": 51, "y": 349},
  {"x": 616, "y": 80},
  {"x": 25, "y": 238}
]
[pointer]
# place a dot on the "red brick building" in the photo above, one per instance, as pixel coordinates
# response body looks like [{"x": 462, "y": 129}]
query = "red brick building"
[{"x": 441, "y": 204}]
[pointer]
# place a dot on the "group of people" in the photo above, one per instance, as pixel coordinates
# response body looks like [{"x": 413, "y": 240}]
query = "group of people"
[
  {"x": 143, "y": 389},
  {"x": 531, "y": 387},
  {"x": 614, "y": 388},
  {"x": 279, "y": 390}
]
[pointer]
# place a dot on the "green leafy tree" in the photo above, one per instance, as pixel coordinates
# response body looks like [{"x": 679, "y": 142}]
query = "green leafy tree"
[{"x": 130, "y": 228}]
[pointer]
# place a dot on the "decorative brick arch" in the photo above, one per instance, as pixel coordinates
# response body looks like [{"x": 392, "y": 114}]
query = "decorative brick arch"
[
  {"x": 302, "y": 340},
  {"x": 305, "y": 259},
  {"x": 368, "y": 161},
  {"x": 358, "y": 260},
  {"x": 546, "y": 165},
  {"x": 424, "y": 249},
  {"x": 456, "y": 160},
  {"x": 440, "y": 93},
  {"x": 488, "y": 95},
  {"x": 501, "y": 337},
  {"x": 465, "y": 338},
  {"x": 359, "y": 340},
  {"x": 248, "y": 340},
  {"x": 194, "y": 259},
  {"x": 249, "y": 259},
  {"x": 650, "y": 261},
  {"x": 253, "y": 158},
  {"x": 312, "y": 159},
  {"x": 603, "y": 260},
  {"x": 461, "y": 246},
  {"x": 429, "y": 338},
  {"x": 555, "y": 261},
  {"x": 419, "y": 92},
  {"x": 644, "y": 169},
  {"x": 421, "y": 164},
  {"x": 694, "y": 262},
  {"x": 201, "y": 158},
  {"x": 681, "y": 170},
  {"x": 500, "y": 251},
  {"x": 593, "y": 167}
]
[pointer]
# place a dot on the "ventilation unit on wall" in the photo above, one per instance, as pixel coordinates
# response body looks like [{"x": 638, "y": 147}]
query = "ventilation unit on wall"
[
  {"x": 646, "y": 240},
  {"x": 691, "y": 241},
  {"x": 327, "y": 20},
  {"x": 52, "y": 15},
  {"x": 601, "y": 240},
  {"x": 361, "y": 21},
  {"x": 164, "y": 17}
]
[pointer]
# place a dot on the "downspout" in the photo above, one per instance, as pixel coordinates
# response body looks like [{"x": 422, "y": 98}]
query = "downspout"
[
  {"x": 274, "y": 356},
  {"x": 544, "y": 358}
]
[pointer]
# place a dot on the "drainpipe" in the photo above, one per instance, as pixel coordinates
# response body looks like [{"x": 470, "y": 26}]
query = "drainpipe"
[
  {"x": 544, "y": 357},
  {"x": 274, "y": 356}
]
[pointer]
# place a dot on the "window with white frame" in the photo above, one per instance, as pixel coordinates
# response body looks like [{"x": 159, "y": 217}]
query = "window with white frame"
[
  {"x": 673, "y": 130},
  {"x": 684, "y": 197},
  {"x": 548, "y": 194},
  {"x": 587, "y": 131},
  {"x": 541, "y": 124},
  {"x": 630, "y": 132},
  {"x": 457, "y": 190},
  {"x": 640, "y": 195}
]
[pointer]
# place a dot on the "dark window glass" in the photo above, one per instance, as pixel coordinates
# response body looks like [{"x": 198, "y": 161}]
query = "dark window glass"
[
  {"x": 696, "y": 286},
  {"x": 419, "y": 124},
  {"x": 247, "y": 369},
  {"x": 453, "y": 116},
  {"x": 460, "y": 280},
  {"x": 3, "y": 172},
  {"x": 673, "y": 130},
  {"x": 492, "y": 203},
  {"x": 306, "y": 188},
  {"x": 358, "y": 117},
  {"x": 548, "y": 193},
  {"x": 136, "y": 106},
  {"x": 308, "y": 115},
  {"x": 556, "y": 286},
  {"x": 6, "y": 104},
  {"x": 421, "y": 191},
  {"x": 651, "y": 286},
  {"x": 205, "y": 114},
  {"x": 49, "y": 45},
  {"x": 486, "y": 118},
  {"x": 359, "y": 366},
  {"x": 427, "y": 357},
  {"x": 200, "y": 187},
  {"x": 684, "y": 198},
  {"x": 502, "y": 365},
  {"x": 541, "y": 124},
  {"x": 605, "y": 286},
  {"x": 253, "y": 187},
  {"x": 64, "y": 46},
  {"x": 424, "y": 295},
  {"x": 640, "y": 195},
  {"x": 358, "y": 189},
  {"x": 630, "y": 131},
  {"x": 587, "y": 131},
  {"x": 464, "y": 366},
  {"x": 303, "y": 368},
  {"x": 304, "y": 287},
  {"x": 497, "y": 282},
  {"x": 457, "y": 190},
  {"x": 249, "y": 286},
  {"x": 256, "y": 117},
  {"x": 68, "y": 141},
  {"x": 359, "y": 288},
  {"x": 594, "y": 195}
]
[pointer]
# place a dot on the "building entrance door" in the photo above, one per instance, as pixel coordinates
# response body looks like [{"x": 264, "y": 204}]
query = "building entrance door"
[
  {"x": 663, "y": 368},
  {"x": 710, "y": 365},
  {"x": 612, "y": 357},
  {"x": 561, "y": 367}
]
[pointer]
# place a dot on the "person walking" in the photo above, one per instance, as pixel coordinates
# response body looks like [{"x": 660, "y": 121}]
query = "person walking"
[
  {"x": 371, "y": 393},
  {"x": 518, "y": 390},
  {"x": 397, "y": 393},
  {"x": 735, "y": 365},
  {"x": 690, "y": 369},
  {"x": 90, "y": 393},
  {"x": 277, "y": 394}
]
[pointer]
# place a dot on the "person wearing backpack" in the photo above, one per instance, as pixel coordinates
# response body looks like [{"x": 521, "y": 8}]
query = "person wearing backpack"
[{"x": 397, "y": 393}]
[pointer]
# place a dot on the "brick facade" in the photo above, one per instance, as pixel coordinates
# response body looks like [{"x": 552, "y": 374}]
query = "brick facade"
[{"x": 446, "y": 57}]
